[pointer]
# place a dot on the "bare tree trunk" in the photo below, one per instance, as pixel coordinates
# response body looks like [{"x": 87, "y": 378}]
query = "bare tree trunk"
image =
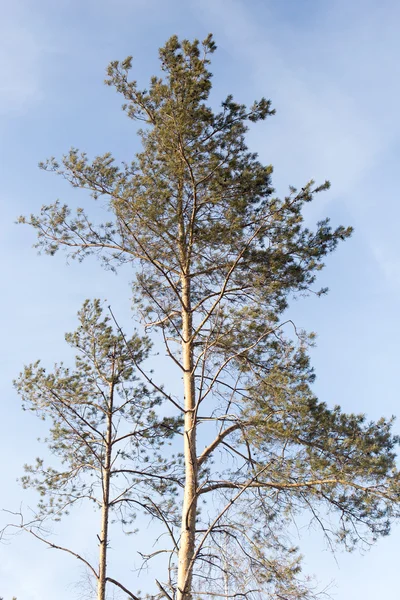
[
  {"x": 101, "y": 584},
  {"x": 226, "y": 574},
  {"x": 188, "y": 527}
]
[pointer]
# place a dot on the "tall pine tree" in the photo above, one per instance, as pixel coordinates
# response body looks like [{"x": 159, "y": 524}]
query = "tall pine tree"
[{"x": 217, "y": 259}]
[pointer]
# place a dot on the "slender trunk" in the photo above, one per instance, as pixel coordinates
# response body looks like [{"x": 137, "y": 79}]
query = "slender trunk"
[
  {"x": 106, "y": 474},
  {"x": 226, "y": 574},
  {"x": 189, "y": 508}
]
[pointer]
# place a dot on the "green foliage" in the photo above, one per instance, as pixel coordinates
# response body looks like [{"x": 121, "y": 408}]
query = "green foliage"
[
  {"x": 102, "y": 391},
  {"x": 216, "y": 252}
]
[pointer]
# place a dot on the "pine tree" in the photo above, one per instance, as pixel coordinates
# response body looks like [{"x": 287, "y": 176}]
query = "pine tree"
[
  {"x": 104, "y": 432},
  {"x": 217, "y": 259}
]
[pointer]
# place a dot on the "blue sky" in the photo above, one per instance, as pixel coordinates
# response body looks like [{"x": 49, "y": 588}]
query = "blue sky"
[{"x": 331, "y": 69}]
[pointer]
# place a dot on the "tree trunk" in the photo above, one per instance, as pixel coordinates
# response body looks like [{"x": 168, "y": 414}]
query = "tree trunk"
[
  {"x": 189, "y": 508},
  {"x": 101, "y": 584}
]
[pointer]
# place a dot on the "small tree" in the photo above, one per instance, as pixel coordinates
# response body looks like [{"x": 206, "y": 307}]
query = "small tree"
[
  {"x": 104, "y": 431},
  {"x": 218, "y": 257}
]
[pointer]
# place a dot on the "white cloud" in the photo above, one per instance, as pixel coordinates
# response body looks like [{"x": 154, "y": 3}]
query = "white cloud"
[
  {"x": 19, "y": 58},
  {"x": 22, "y": 48},
  {"x": 388, "y": 262},
  {"x": 324, "y": 118},
  {"x": 334, "y": 79}
]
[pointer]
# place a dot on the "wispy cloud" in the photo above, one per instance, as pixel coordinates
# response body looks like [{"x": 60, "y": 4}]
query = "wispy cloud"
[
  {"x": 19, "y": 67},
  {"x": 325, "y": 118},
  {"x": 334, "y": 79}
]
